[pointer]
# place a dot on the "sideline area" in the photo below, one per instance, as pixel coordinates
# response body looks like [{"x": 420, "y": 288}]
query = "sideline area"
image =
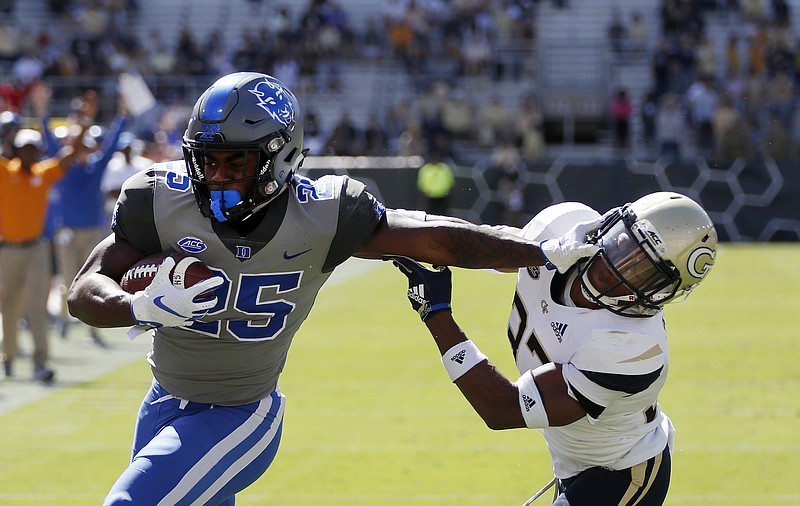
[{"x": 77, "y": 360}]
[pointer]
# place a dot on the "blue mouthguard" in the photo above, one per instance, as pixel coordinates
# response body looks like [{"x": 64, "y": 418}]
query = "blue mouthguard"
[{"x": 222, "y": 201}]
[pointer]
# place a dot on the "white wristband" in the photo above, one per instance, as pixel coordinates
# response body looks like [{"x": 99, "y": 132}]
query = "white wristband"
[
  {"x": 461, "y": 358},
  {"x": 530, "y": 402}
]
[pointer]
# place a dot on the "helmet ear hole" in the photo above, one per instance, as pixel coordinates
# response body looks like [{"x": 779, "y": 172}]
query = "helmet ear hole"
[{"x": 290, "y": 156}]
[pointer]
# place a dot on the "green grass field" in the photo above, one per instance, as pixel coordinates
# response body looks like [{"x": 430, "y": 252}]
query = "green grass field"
[{"x": 372, "y": 418}]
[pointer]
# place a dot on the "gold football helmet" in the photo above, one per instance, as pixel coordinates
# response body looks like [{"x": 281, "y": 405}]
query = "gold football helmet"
[{"x": 655, "y": 250}]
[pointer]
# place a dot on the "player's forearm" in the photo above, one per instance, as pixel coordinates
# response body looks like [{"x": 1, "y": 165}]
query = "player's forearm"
[
  {"x": 451, "y": 241},
  {"x": 492, "y": 395},
  {"x": 480, "y": 247},
  {"x": 468, "y": 245},
  {"x": 100, "y": 302},
  {"x": 445, "y": 331}
]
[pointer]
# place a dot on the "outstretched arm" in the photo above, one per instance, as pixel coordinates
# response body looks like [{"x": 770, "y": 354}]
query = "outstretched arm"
[
  {"x": 67, "y": 155},
  {"x": 495, "y": 397},
  {"x": 442, "y": 240},
  {"x": 538, "y": 399}
]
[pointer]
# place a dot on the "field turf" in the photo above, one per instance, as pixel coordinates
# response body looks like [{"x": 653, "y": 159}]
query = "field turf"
[{"x": 373, "y": 420}]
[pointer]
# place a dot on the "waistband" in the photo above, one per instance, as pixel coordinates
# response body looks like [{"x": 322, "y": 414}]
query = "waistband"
[{"x": 20, "y": 244}]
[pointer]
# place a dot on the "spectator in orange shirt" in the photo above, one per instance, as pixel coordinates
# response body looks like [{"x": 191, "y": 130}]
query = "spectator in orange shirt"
[{"x": 25, "y": 181}]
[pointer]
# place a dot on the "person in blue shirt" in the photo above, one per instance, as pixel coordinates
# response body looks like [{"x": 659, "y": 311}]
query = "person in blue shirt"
[{"x": 79, "y": 215}]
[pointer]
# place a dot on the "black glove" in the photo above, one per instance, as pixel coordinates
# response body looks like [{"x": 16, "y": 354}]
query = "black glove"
[{"x": 429, "y": 291}]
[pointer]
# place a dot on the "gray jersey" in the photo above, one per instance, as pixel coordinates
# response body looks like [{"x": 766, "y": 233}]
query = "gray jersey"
[{"x": 272, "y": 274}]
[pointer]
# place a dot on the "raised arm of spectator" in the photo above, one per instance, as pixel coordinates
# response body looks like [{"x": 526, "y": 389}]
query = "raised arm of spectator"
[
  {"x": 40, "y": 100},
  {"x": 66, "y": 156},
  {"x": 109, "y": 146}
]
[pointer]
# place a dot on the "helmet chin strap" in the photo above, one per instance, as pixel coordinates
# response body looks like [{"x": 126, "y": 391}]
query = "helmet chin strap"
[
  {"x": 271, "y": 186},
  {"x": 268, "y": 189}
]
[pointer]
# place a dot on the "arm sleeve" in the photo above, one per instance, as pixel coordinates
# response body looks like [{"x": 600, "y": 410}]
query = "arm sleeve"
[
  {"x": 359, "y": 215},
  {"x": 133, "y": 218},
  {"x": 51, "y": 143},
  {"x": 610, "y": 367},
  {"x": 530, "y": 402},
  {"x": 110, "y": 144}
]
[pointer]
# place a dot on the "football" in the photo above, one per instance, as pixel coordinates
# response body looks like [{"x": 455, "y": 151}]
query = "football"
[{"x": 188, "y": 271}]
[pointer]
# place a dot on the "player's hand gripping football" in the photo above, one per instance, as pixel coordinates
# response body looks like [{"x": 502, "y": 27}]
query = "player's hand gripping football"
[
  {"x": 429, "y": 291},
  {"x": 563, "y": 252},
  {"x": 163, "y": 304}
]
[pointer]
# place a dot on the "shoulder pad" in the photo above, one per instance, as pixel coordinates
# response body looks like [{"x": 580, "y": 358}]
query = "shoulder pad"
[
  {"x": 619, "y": 352},
  {"x": 557, "y": 219}
]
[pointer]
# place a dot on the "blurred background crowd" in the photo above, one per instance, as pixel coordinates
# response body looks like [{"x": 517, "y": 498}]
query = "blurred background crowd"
[
  {"x": 461, "y": 77},
  {"x": 502, "y": 86}
]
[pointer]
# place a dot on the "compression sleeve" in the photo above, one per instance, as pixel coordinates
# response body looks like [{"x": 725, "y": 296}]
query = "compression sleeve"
[{"x": 530, "y": 402}]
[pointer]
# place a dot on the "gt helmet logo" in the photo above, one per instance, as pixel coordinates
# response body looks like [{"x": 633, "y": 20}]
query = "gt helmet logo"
[{"x": 700, "y": 262}]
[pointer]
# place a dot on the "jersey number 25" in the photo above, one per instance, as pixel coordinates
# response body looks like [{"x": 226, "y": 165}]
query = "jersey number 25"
[{"x": 261, "y": 320}]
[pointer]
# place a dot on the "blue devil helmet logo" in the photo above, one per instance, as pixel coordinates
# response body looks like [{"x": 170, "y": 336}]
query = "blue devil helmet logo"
[{"x": 275, "y": 100}]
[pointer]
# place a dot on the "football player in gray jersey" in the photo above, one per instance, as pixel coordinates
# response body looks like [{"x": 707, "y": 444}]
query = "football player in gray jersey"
[
  {"x": 211, "y": 423},
  {"x": 590, "y": 344}
]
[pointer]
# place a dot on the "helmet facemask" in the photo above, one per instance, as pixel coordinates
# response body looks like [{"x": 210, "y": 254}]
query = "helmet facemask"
[
  {"x": 225, "y": 204},
  {"x": 637, "y": 279}
]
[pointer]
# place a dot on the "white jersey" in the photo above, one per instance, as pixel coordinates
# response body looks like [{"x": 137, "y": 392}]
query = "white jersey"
[{"x": 613, "y": 365}]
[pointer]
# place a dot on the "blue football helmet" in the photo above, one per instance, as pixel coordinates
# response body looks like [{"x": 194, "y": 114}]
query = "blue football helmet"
[{"x": 251, "y": 113}]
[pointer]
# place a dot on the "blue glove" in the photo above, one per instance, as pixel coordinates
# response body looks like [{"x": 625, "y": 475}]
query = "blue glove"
[{"x": 429, "y": 291}]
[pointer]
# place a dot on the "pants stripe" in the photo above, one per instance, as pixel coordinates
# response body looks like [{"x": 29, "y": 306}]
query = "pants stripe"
[
  {"x": 199, "y": 471},
  {"x": 642, "y": 477},
  {"x": 244, "y": 460}
]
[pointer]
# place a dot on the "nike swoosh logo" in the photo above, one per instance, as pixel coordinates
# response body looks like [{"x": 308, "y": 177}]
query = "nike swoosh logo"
[
  {"x": 287, "y": 256},
  {"x": 159, "y": 304}
]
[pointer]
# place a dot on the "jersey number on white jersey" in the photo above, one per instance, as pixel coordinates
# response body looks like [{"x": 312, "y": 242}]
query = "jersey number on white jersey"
[{"x": 515, "y": 337}]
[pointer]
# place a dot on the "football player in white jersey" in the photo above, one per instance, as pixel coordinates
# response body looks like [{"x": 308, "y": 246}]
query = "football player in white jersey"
[
  {"x": 590, "y": 344},
  {"x": 211, "y": 423}
]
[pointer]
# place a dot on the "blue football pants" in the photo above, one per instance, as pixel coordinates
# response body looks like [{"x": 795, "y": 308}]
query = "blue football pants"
[{"x": 192, "y": 453}]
